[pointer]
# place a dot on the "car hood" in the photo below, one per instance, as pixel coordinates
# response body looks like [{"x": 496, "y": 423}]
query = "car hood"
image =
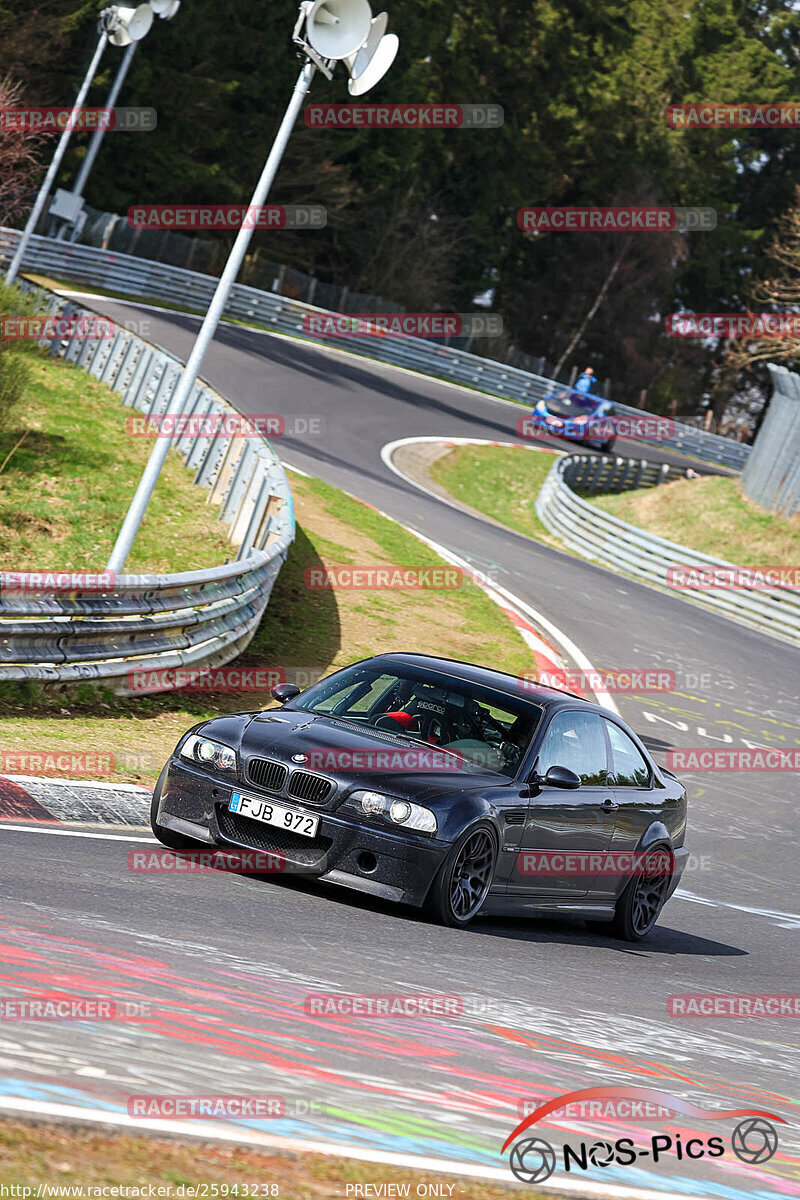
[{"x": 351, "y": 756}]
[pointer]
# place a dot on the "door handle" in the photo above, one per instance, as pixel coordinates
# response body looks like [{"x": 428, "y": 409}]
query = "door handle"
[{"x": 609, "y": 805}]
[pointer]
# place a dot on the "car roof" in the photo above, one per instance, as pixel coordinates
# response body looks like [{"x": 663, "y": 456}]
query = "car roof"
[{"x": 499, "y": 681}]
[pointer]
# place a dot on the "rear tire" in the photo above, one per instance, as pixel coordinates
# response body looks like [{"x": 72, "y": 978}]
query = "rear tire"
[
  {"x": 640, "y": 905},
  {"x": 462, "y": 882},
  {"x": 608, "y": 446}
]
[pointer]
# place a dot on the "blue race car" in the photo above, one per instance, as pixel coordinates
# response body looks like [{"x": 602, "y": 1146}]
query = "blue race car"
[{"x": 579, "y": 416}]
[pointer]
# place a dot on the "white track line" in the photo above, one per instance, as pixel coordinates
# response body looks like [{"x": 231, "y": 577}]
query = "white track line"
[
  {"x": 536, "y": 617},
  {"x": 57, "y": 781},
  {"x": 101, "y": 837},
  {"x": 253, "y": 1137}
]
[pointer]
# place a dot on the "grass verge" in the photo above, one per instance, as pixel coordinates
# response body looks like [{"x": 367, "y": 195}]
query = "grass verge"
[
  {"x": 710, "y": 515},
  {"x": 305, "y": 630},
  {"x": 75, "y": 1156},
  {"x": 500, "y": 481},
  {"x": 65, "y": 486}
]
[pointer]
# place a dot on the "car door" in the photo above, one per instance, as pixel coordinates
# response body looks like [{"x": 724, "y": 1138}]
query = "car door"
[
  {"x": 560, "y": 821},
  {"x": 639, "y": 801}
]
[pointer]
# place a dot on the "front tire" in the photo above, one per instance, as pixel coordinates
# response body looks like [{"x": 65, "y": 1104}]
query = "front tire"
[
  {"x": 462, "y": 882},
  {"x": 640, "y": 905}
]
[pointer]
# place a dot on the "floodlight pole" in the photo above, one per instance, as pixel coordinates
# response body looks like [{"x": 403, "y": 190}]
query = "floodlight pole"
[
  {"x": 49, "y": 178},
  {"x": 99, "y": 133},
  {"x": 135, "y": 514}
]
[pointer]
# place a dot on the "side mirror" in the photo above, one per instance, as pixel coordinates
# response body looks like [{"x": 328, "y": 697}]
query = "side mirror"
[
  {"x": 560, "y": 777},
  {"x": 284, "y": 691}
]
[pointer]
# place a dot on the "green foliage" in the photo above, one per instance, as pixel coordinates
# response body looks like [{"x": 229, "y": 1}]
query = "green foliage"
[
  {"x": 429, "y": 219},
  {"x": 14, "y": 368}
]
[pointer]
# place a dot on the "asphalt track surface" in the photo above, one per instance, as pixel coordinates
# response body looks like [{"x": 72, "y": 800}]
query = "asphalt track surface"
[{"x": 549, "y": 1007}]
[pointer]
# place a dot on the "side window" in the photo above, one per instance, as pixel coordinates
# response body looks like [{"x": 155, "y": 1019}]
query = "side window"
[
  {"x": 630, "y": 768},
  {"x": 576, "y": 740}
]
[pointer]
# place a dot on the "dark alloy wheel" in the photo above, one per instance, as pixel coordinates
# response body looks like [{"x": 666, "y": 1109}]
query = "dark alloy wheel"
[
  {"x": 464, "y": 879},
  {"x": 639, "y": 905}
]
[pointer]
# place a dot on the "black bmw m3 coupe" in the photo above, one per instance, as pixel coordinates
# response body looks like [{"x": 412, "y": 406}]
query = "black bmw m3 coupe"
[{"x": 443, "y": 784}]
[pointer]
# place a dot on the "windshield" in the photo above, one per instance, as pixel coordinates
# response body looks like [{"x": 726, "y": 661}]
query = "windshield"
[
  {"x": 572, "y": 404},
  {"x": 487, "y": 729}
]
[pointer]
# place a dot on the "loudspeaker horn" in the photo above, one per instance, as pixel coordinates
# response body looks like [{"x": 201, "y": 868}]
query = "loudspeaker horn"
[
  {"x": 165, "y": 8},
  {"x": 372, "y": 61},
  {"x": 337, "y": 28},
  {"x": 129, "y": 24}
]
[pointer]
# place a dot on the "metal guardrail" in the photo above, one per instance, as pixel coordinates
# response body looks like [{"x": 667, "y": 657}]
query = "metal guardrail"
[
  {"x": 772, "y": 473},
  {"x": 159, "y": 623},
  {"x": 625, "y": 548},
  {"x": 601, "y": 474},
  {"x": 147, "y": 280}
]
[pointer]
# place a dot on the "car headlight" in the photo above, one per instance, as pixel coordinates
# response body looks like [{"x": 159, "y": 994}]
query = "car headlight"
[
  {"x": 202, "y": 750},
  {"x": 399, "y": 812},
  {"x": 540, "y": 407},
  {"x": 580, "y": 420}
]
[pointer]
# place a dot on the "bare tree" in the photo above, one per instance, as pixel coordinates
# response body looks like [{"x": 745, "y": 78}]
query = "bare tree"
[
  {"x": 780, "y": 292},
  {"x": 20, "y": 151}
]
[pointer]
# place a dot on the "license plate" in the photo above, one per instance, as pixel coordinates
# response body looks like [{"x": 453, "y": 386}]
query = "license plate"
[{"x": 270, "y": 813}]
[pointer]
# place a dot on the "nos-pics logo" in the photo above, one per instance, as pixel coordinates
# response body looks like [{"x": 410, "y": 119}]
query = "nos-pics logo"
[{"x": 533, "y": 1160}]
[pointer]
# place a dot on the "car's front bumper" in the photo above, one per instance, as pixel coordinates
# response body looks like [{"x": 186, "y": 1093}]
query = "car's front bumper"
[
  {"x": 569, "y": 432},
  {"x": 395, "y": 866}
]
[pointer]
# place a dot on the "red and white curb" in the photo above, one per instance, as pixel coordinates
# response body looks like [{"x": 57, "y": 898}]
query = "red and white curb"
[{"x": 49, "y": 800}]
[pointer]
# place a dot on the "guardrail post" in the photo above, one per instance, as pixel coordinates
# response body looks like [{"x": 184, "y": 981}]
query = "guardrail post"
[
  {"x": 141, "y": 378},
  {"x": 600, "y": 463}
]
